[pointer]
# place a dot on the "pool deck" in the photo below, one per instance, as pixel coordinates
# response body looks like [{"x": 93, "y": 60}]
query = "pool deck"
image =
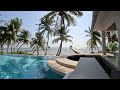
[
  {"x": 88, "y": 68},
  {"x": 62, "y": 66}
]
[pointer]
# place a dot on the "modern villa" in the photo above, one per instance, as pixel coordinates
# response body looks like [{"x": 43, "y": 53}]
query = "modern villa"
[
  {"x": 35, "y": 64},
  {"x": 108, "y": 21},
  {"x": 98, "y": 66}
]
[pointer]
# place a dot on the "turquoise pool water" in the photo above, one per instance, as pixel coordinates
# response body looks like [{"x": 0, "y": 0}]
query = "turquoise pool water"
[{"x": 26, "y": 67}]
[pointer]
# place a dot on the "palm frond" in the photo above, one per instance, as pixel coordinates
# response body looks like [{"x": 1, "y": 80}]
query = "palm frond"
[{"x": 55, "y": 40}]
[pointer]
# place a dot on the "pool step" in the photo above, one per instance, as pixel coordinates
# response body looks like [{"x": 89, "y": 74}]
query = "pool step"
[
  {"x": 58, "y": 68},
  {"x": 67, "y": 62}
]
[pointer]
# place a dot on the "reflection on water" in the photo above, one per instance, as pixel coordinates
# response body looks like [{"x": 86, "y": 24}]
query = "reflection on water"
[{"x": 24, "y": 67}]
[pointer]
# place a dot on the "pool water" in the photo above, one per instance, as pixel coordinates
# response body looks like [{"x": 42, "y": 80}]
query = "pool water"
[{"x": 26, "y": 67}]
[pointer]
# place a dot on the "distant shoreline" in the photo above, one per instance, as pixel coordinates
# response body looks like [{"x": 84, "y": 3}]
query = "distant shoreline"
[{"x": 53, "y": 51}]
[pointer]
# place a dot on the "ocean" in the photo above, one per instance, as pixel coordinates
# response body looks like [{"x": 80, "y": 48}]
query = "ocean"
[{"x": 53, "y": 51}]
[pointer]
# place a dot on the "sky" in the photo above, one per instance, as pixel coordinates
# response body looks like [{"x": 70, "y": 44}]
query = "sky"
[{"x": 30, "y": 18}]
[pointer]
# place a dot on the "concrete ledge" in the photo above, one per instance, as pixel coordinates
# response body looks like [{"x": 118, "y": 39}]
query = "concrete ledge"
[
  {"x": 59, "y": 69},
  {"x": 111, "y": 61},
  {"x": 88, "y": 68},
  {"x": 66, "y": 62},
  {"x": 67, "y": 75}
]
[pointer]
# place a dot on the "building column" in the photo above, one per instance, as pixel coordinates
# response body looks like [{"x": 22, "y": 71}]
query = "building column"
[
  {"x": 103, "y": 43},
  {"x": 118, "y": 30}
]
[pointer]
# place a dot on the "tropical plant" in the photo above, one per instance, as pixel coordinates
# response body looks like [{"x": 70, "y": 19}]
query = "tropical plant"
[
  {"x": 62, "y": 37},
  {"x": 38, "y": 42},
  {"x": 94, "y": 39},
  {"x": 13, "y": 27},
  {"x": 64, "y": 16},
  {"x": 5, "y": 35},
  {"x": 112, "y": 46},
  {"x": 112, "y": 36},
  {"x": 2, "y": 36},
  {"x": 46, "y": 26},
  {"x": 24, "y": 38}
]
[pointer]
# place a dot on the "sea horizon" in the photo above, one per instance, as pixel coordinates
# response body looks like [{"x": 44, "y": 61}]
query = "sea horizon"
[{"x": 53, "y": 50}]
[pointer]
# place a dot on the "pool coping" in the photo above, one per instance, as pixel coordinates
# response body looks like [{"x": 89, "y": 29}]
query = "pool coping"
[{"x": 58, "y": 68}]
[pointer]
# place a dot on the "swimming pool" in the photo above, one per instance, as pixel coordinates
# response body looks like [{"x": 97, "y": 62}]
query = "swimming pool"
[{"x": 26, "y": 67}]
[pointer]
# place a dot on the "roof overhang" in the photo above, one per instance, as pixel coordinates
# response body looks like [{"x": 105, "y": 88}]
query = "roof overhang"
[{"x": 104, "y": 20}]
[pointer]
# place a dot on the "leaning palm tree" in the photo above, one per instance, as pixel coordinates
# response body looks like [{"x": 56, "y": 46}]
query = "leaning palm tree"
[
  {"x": 38, "y": 42},
  {"x": 94, "y": 39},
  {"x": 64, "y": 16},
  {"x": 24, "y": 38},
  {"x": 62, "y": 37},
  {"x": 46, "y": 26}
]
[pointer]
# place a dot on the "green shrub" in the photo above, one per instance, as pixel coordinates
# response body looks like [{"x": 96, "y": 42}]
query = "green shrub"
[
  {"x": 112, "y": 46},
  {"x": 20, "y": 52},
  {"x": 1, "y": 52}
]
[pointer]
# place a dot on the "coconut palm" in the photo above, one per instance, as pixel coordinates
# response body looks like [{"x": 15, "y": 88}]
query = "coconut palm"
[
  {"x": 24, "y": 38},
  {"x": 62, "y": 37},
  {"x": 94, "y": 39},
  {"x": 3, "y": 36},
  {"x": 14, "y": 27},
  {"x": 46, "y": 26},
  {"x": 62, "y": 16},
  {"x": 38, "y": 42}
]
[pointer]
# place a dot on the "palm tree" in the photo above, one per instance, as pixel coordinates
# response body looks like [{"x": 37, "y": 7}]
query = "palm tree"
[
  {"x": 94, "y": 39},
  {"x": 62, "y": 16},
  {"x": 9, "y": 32},
  {"x": 3, "y": 36},
  {"x": 38, "y": 42},
  {"x": 46, "y": 26},
  {"x": 14, "y": 27},
  {"x": 24, "y": 38},
  {"x": 62, "y": 37}
]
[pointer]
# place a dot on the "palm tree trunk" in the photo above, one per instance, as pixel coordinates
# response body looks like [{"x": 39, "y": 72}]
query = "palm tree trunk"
[
  {"x": 58, "y": 51},
  {"x": 2, "y": 45},
  {"x": 34, "y": 51},
  {"x": 14, "y": 47},
  {"x": 11, "y": 48},
  {"x": 17, "y": 44},
  {"x": 47, "y": 45},
  {"x": 60, "y": 48},
  {"x": 2, "y": 48},
  {"x": 8, "y": 48},
  {"x": 19, "y": 47},
  {"x": 37, "y": 50},
  {"x": 91, "y": 49},
  {"x": 97, "y": 48}
]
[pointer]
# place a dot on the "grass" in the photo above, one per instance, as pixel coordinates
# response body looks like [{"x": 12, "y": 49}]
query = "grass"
[
  {"x": 19, "y": 52},
  {"x": 1, "y": 52}
]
